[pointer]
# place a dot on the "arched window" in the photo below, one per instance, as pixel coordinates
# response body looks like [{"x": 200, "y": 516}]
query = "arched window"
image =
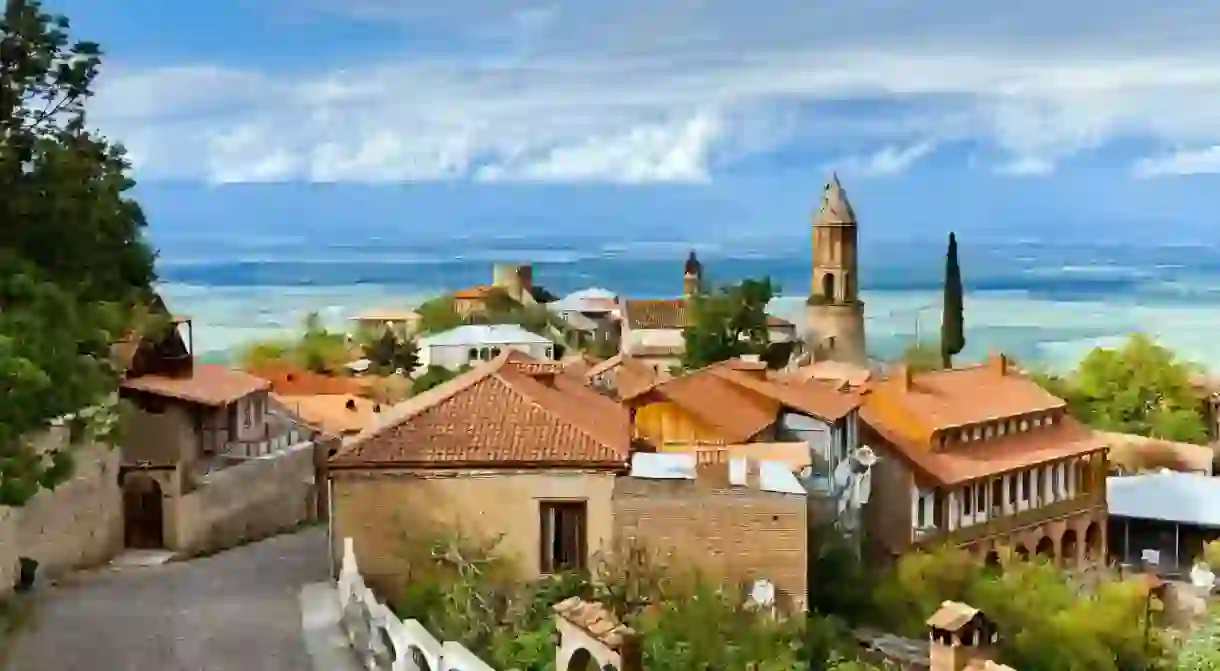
[
  {"x": 472, "y": 354},
  {"x": 828, "y": 286}
]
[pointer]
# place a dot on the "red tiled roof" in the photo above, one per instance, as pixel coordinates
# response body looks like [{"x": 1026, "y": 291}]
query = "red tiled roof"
[
  {"x": 208, "y": 384},
  {"x": 498, "y": 415},
  {"x": 664, "y": 313}
]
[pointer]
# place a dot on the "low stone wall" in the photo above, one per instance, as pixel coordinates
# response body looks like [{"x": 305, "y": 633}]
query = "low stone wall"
[
  {"x": 79, "y": 524},
  {"x": 251, "y": 500}
]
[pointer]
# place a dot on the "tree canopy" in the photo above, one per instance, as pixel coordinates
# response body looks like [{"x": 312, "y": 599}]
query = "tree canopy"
[
  {"x": 922, "y": 358},
  {"x": 727, "y": 322},
  {"x": 953, "y": 321},
  {"x": 73, "y": 260},
  {"x": 316, "y": 348},
  {"x": 1140, "y": 388},
  {"x": 389, "y": 353}
]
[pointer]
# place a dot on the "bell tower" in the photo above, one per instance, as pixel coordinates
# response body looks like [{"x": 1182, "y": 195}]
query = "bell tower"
[{"x": 836, "y": 314}]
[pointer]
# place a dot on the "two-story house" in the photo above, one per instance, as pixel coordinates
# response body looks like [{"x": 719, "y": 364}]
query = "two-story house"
[
  {"x": 982, "y": 457},
  {"x": 735, "y": 403}
]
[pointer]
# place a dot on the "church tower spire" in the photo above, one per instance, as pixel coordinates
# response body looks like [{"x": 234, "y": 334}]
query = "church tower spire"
[{"x": 836, "y": 314}]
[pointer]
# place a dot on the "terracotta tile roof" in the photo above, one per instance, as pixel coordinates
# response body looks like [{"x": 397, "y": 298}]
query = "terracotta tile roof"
[
  {"x": 208, "y": 384},
  {"x": 498, "y": 415},
  {"x": 474, "y": 293},
  {"x": 833, "y": 371},
  {"x": 336, "y": 414},
  {"x": 531, "y": 366},
  {"x": 736, "y": 412},
  {"x": 597, "y": 620},
  {"x": 794, "y": 455},
  {"x": 961, "y": 396},
  {"x": 663, "y": 313},
  {"x": 961, "y": 463},
  {"x": 289, "y": 380},
  {"x": 814, "y": 398},
  {"x": 628, "y": 377}
]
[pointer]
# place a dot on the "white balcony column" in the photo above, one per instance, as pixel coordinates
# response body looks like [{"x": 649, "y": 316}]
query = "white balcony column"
[
  {"x": 1007, "y": 503},
  {"x": 1048, "y": 485},
  {"x": 953, "y": 506},
  {"x": 1022, "y": 495},
  {"x": 1070, "y": 471}
]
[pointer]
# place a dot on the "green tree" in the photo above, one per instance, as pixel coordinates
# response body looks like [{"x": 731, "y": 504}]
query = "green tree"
[
  {"x": 390, "y": 353},
  {"x": 437, "y": 315},
  {"x": 922, "y": 358},
  {"x": 1139, "y": 388},
  {"x": 727, "y": 323},
  {"x": 952, "y": 325},
  {"x": 72, "y": 257},
  {"x": 434, "y": 376},
  {"x": 320, "y": 350}
]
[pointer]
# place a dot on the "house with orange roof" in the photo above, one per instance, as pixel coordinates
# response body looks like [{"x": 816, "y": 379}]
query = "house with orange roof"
[
  {"x": 334, "y": 415},
  {"x": 983, "y": 458},
  {"x": 652, "y": 328},
  {"x": 401, "y": 321},
  {"x": 508, "y": 280},
  {"x": 621, "y": 375},
  {"x": 513, "y": 448},
  {"x": 736, "y": 403},
  {"x": 187, "y": 419}
]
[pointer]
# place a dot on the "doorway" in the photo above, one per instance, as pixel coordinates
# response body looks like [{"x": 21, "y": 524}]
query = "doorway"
[{"x": 143, "y": 512}]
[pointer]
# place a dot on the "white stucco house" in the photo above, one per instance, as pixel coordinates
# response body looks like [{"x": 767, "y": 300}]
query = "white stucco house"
[
  {"x": 468, "y": 345},
  {"x": 593, "y": 313}
]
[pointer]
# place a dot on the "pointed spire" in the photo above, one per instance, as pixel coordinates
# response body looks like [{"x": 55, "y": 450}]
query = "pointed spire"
[{"x": 836, "y": 210}]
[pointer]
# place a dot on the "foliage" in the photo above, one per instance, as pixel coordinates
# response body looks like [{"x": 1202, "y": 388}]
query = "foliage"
[
  {"x": 1048, "y": 620},
  {"x": 390, "y": 353},
  {"x": 1140, "y": 388},
  {"x": 921, "y": 358},
  {"x": 72, "y": 260},
  {"x": 727, "y": 322},
  {"x": 847, "y": 595},
  {"x": 435, "y": 376},
  {"x": 261, "y": 354},
  {"x": 437, "y": 315},
  {"x": 1211, "y": 555},
  {"x": 317, "y": 349},
  {"x": 952, "y": 326},
  {"x": 461, "y": 591},
  {"x": 1201, "y": 651}
]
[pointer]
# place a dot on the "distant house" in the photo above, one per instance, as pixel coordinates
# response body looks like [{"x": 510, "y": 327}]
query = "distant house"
[
  {"x": 189, "y": 419},
  {"x": 1170, "y": 513},
  {"x": 735, "y": 402},
  {"x": 398, "y": 321},
  {"x": 621, "y": 376},
  {"x": 652, "y": 329},
  {"x": 336, "y": 415},
  {"x": 592, "y": 313},
  {"x": 514, "y": 281},
  {"x": 513, "y": 447},
  {"x": 473, "y": 343}
]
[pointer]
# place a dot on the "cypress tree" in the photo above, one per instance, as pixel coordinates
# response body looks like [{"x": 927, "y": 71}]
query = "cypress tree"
[{"x": 952, "y": 324}]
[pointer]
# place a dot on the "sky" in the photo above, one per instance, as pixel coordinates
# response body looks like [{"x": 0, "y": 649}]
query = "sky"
[{"x": 695, "y": 118}]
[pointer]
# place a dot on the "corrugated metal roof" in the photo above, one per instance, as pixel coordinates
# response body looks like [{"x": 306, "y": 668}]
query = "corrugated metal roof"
[
  {"x": 1185, "y": 498},
  {"x": 484, "y": 334}
]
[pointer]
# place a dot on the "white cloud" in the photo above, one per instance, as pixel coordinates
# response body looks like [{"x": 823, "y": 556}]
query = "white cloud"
[
  {"x": 627, "y": 91},
  {"x": 1204, "y": 161},
  {"x": 890, "y": 160}
]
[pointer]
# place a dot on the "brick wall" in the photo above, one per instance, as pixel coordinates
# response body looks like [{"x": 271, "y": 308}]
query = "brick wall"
[
  {"x": 733, "y": 535},
  {"x": 79, "y": 524}
]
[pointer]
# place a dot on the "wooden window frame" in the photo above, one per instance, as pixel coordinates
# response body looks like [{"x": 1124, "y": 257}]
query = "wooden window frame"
[{"x": 550, "y": 512}]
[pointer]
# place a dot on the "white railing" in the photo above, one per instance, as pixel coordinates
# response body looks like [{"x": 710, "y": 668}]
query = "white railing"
[
  {"x": 253, "y": 449},
  {"x": 385, "y": 643}
]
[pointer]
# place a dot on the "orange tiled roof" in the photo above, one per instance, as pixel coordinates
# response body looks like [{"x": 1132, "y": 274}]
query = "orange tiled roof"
[
  {"x": 498, "y": 415},
  {"x": 946, "y": 399},
  {"x": 972, "y": 461},
  {"x": 288, "y": 380},
  {"x": 474, "y": 293},
  {"x": 629, "y": 376},
  {"x": 336, "y": 414},
  {"x": 663, "y": 313},
  {"x": 208, "y": 384}
]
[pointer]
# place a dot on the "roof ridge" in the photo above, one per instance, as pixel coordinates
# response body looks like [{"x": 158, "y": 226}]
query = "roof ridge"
[
  {"x": 398, "y": 413},
  {"x": 514, "y": 385}
]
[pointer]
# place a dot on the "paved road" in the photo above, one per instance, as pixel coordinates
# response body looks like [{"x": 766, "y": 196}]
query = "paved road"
[{"x": 235, "y": 611}]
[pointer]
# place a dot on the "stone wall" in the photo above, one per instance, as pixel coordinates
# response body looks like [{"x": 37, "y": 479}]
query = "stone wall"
[
  {"x": 252, "y": 500},
  {"x": 731, "y": 535},
  {"x": 79, "y": 524}
]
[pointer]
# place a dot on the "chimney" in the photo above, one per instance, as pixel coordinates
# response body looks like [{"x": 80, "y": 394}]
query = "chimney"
[
  {"x": 958, "y": 634},
  {"x": 750, "y": 364},
  {"x": 998, "y": 363},
  {"x": 902, "y": 373}
]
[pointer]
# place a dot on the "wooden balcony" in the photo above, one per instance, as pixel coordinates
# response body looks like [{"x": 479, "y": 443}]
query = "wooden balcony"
[
  {"x": 1007, "y": 524},
  {"x": 264, "y": 446}
]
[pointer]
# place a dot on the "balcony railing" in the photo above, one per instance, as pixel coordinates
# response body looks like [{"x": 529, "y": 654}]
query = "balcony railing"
[
  {"x": 1009, "y": 523},
  {"x": 261, "y": 447}
]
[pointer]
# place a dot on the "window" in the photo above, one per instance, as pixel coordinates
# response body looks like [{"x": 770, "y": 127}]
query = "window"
[
  {"x": 247, "y": 413},
  {"x": 472, "y": 354},
  {"x": 980, "y": 495},
  {"x": 562, "y": 539},
  {"x": 967, "y": 501},
  {"x": 1026, "y": 491}
]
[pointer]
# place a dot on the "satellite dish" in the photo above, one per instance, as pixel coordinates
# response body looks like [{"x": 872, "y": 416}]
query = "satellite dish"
[{"x": 763, "y": 593}]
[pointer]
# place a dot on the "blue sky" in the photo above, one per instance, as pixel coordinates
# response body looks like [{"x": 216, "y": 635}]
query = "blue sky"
[{"x": 700, "y": 118}]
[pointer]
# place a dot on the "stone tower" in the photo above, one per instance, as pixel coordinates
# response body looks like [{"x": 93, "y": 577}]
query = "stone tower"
[
  {"x": 692, "y": 275},
  {"x": 836, "y": 314}
]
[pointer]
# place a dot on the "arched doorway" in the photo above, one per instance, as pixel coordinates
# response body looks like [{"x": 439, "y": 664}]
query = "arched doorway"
[
  {"x": 1045, "y": 548},
  {"x": 1092, "y": 542},
  {"x": 1068, "y": 549},
  {"x": 1021, "y": 552},
  {"x": 828, "y": 286},
  {"x": 143, "y": 515},
  {"x": 581, "y": 661}
]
